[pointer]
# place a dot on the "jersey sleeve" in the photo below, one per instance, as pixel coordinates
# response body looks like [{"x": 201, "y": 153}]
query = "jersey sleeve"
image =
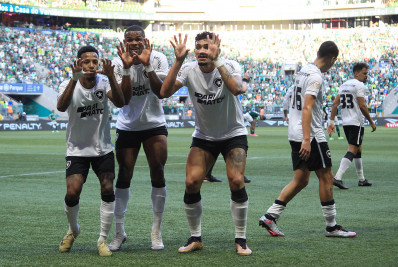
[
  {"x": 62, "y": 88},
  {"x": 233, "y": 68},
  {"x": 160, "y": 64},
  {"x": 286, "y": 100},
  {"x": 182, "y": 75},
  {"x": 105, "y": 83},
  {"x": 361, "y": 90},
  {"x": 314, "y": 85},
  {"x": 118, "y": 70}
]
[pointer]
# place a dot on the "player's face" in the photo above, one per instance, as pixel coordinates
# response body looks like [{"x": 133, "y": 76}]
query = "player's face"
[
  {"x": 201, "y": 52},
  {"x": 134, "y": 38},
  {"x": 362, "y": 75},
  {"x": 90, "y": 64}
]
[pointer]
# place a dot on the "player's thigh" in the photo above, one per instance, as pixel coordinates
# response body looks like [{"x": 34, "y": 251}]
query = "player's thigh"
[
  {"x": 77, "y": 169},
  {"x": 198, "y": 163},
  {"x": 104, "y": 168},
  {"x": 74, "y": 184},
  {"x": 127, "y": 157},
  {"x": 155, "y": 149}
]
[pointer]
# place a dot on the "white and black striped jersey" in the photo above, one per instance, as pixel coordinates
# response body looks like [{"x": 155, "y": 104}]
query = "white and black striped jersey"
[
  {"x": 309, "y": 81},
  {"x": 218, "y": 113},
  {"x": 144, "y": 110},
  {"x": 88, "y": 130}
]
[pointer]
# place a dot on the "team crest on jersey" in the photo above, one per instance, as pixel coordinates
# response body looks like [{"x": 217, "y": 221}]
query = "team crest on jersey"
[
  {"x": 100, "y": 94},
  {"x": 328, "y": 154},
  {"x": 217, "y": 82},
  {"x": 68, "y": 164}
]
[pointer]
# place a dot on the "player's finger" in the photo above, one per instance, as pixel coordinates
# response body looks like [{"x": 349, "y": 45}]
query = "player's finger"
[
  {"x": 172, "y": 44},
  {"x": 185, "y": 38}
]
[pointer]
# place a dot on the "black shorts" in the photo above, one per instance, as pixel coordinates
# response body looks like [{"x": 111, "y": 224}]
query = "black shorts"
[
  {"x": 133, "y": 139},
  {"x": 223, "y": 147},
  {"x": 354, "y": 134},
  {"x": 320, "y": 157},
  {"x": 81, "y": 165}
]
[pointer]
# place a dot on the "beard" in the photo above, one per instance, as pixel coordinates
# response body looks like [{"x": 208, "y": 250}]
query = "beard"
[{"x": 203, "y": 64}]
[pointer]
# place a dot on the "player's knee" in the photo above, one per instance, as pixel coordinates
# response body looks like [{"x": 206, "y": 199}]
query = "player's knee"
[
  {"x": 158, "y": 183},
  {"x": 108, "y": 196},
  {"x": 239, "y": 195},
  {"x": 157, "y": 172},
  {"x": 192, "y": 185},
  {"x": 71, "y": 200},
  {"x": 106, "y": 187},
  {"x": 349, "y": 155},
  {"x": 192, "y": 198}
]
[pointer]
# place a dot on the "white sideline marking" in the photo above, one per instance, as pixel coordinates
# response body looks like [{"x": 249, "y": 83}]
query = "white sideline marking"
[{"x": 40, "y": 173}]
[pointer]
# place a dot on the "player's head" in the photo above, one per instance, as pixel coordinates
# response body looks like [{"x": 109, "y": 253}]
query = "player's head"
[
  {"x": 202, "y": 48},
  {"x": 133, "y": 36},
  {"x": 328, "y": 53},
  {"x": 90, "y": 60},
  {"x": 360, "y": 71}
]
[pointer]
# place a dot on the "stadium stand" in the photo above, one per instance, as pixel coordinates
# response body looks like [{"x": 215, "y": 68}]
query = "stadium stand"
[{"x": 42, "y": 56}]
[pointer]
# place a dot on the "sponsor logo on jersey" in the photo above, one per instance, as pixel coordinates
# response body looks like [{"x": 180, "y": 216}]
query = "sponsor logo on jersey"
[
  {"x": 100, "y": 94},
  {"x": 217, "y": 82},
  {"x": 90, "y": 110},
  {"x": 68, "y": 164},
  {"x": 208, "y": 99},
  {"x": 229, "y": 64},
  {"x": 140, "y": 90}
]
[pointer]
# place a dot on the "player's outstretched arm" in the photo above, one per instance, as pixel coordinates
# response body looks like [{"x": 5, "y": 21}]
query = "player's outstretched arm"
[
  {"x": 115, "y": 94},
  {"x": 170, "y": 84},
  {"x": 365, "y": 112},
  {"x": 333, "y": 113},
  {"x": 66, "y": 98},
  {"x": 233, "y": 83}
]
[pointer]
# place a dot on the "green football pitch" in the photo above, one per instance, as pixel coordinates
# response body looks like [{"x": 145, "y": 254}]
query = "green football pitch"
[{"x": 32, "y": 190}]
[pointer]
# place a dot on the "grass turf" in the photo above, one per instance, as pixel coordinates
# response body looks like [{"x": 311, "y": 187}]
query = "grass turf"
[{"x": 33, "y": 221}]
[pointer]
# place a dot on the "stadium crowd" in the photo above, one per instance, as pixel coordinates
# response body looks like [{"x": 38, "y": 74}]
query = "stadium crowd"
[{"x": 31, "y": 55}]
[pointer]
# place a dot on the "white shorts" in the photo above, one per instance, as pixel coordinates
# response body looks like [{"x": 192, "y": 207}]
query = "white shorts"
[{"x": 247, "y": 117}]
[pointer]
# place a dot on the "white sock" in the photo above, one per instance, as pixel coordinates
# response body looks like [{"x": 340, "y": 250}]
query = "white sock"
[
  {"x": 158, "y": 196},
  {"x": 122, "y": 196},
  {"x": 276, "y": 210},
  {"x": 106, "y": 217},
  {"x": 239, "y": 216},
  {"x": 358, "y": 166},
  {"x": 194, "y": 215},
  {"x": 344, "y": 165},
  {"x": 72, "y": 214},
  {"x": 329, "y": 212}
]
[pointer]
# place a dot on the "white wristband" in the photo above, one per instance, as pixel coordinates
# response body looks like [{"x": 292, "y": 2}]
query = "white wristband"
[
  {"x": 331, "y": 121},
  {"x": 126, "y": 72},
  {"x": 77, "y": 75},
  {"x": 148, "y": 68},
  {"x": 218, "y": 63}
]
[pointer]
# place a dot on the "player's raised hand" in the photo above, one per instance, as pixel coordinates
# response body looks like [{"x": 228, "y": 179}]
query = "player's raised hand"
[
  {"x": 76, "y": 66},
  {"x": 145, "y": 56},
  {"x": 180, "y": 47},
  {"x": 124, "y": 54},
  {"x": 214, "y": 46},
  {"x": 107, "y": 68}
]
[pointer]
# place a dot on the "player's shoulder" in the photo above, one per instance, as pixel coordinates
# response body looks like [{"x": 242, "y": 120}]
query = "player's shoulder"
[
  {"x": 102, "y": 79},
  {"x": 64, "y": 83},
  {"x": 310, "y": 70},
  {"x": 231, "y": 64},
  {"x": 189, "y": 66},
  {"x": 117, "y": 60},
  {"x": 158, "y": 55}
]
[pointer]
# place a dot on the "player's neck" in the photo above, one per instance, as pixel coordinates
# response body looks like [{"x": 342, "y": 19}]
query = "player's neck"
[
  {"x": 207, "y": 68},
  {"x": 88, "y": 83},
  {"x": 320, "y": 64}
]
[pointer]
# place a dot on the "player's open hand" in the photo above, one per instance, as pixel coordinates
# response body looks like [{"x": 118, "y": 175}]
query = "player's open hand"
[
  {"x": 305, "y": 150},
  {"x": 180, "y": 47},
  {"x": 124, "y": 54},
  {"x": 107, "y": 68},
  {"x": 145, "y": 56},
  {"x": 77, "y": 65},
  {"x": 214, "y": 46}
]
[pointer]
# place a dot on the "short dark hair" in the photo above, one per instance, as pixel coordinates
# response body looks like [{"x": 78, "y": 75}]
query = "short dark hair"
[
  {"x": 203, "y": 35},
  {"x": 328, "y": 49},
  {"x": 359, "y": 66},
  {"x": 135, "y": 28},
  {"x": 85, "y": 49}
]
